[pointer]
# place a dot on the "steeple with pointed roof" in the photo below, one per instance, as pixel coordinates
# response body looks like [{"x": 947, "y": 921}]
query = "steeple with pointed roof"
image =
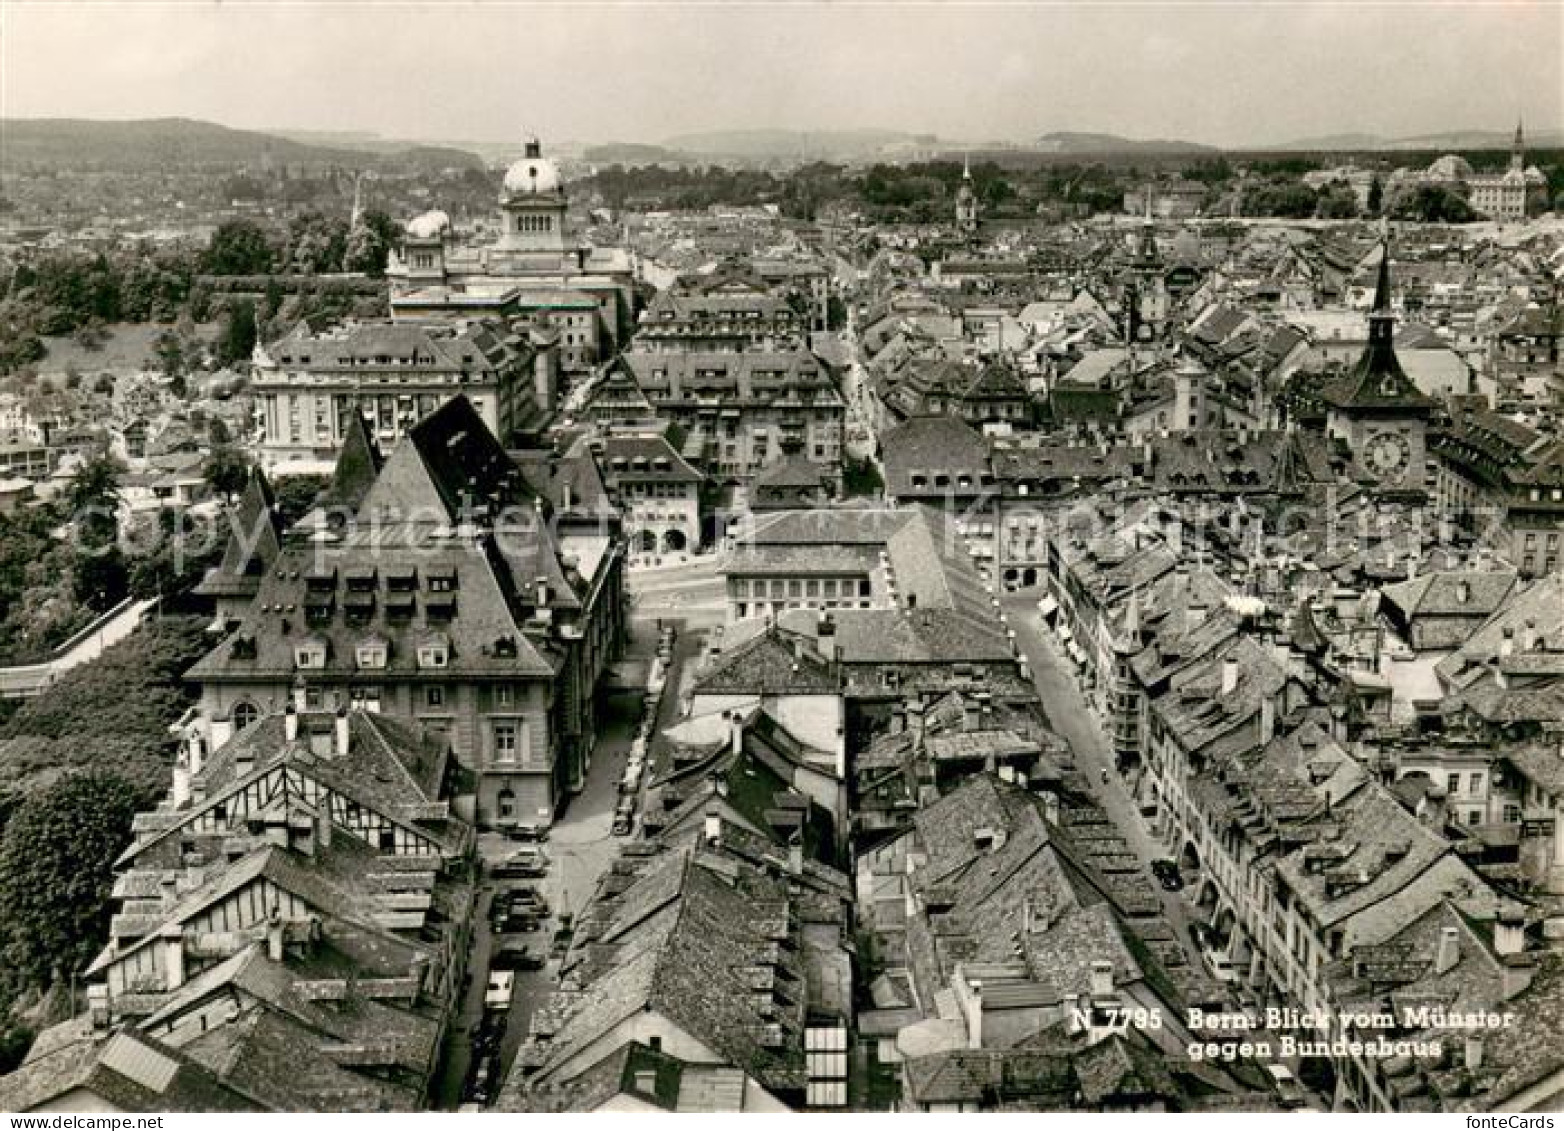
[
  {"x": 1377, "y": 380},
  {"x": 966, "y": 200},
  {"x": 254, "y": 537},
  {"x": 1518, "y": 150},
  {"x": 358, "y": 463}
]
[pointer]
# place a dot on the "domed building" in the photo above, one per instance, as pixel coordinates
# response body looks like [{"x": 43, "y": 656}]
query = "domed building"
[{"x": 575, "y": 296}]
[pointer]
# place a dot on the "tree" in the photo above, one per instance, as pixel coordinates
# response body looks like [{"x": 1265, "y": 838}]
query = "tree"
[
  {"x": 1433, "y": 204},
  {"x": 93, "y": 499},
  {"x": 236, "y": 341},
  {"x": 297, "y": 494},
  {"x": 101, "y": 579},
  {"x": 226, "y": 469},
  {"x": 238, "y": 247},
  {"x": 1376, "y": 196},
  {"x": 170, "y": 355},
  {"x": 370, "y": 242},
  {"x": 57, "y": 872}
]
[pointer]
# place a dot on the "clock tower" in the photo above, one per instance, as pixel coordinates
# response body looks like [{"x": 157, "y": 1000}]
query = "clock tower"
[{"x": 1376, "y": 409}]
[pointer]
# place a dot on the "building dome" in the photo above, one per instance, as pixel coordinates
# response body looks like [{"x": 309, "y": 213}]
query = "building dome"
[
  {"x": 1450, "y": 168},
  {"x": 534, "y": 173},
  {"x": 429, "y": 225}
]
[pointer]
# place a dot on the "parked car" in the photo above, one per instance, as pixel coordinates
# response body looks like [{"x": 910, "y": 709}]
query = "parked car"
[
  {"x": 528, "y": 898},
  {"x": 520, "y": 956},
  {"x": 497, "y": 995},
  {"x": 1167, "y": 874},
  {"x": 528, "y": 832},
  {"x": 1220, "y": 966},
  {"x": 624, "y": 823},
  {"x": 524, "y": 864}
]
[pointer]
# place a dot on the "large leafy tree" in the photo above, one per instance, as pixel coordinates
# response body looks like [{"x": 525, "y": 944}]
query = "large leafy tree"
[
  {"x": 238, "y": 247},
  {"x": 56, "y": 873},
  {"x": 226, "y": 469},
  {"x": 93, "y": 500}
]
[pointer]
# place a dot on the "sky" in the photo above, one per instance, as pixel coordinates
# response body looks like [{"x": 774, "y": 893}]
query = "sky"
[{"x": 1222, "y": 72}]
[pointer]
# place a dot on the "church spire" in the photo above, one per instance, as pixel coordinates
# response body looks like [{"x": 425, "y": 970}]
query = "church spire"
[
  {"x": 1381, "y": 321},
  {"x": 1518, "y": 148}
]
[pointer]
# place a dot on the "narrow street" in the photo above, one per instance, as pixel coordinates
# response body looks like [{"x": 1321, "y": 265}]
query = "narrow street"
[
  {"x": 1073, "y": 719},
  {"x": 580, "y": 848}
]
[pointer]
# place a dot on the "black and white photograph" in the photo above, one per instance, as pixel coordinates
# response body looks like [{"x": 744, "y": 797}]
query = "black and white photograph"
[{"x": 820, "y": 556}]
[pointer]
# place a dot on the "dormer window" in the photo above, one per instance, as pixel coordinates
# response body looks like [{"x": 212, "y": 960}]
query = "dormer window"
[
  {"x": 434, "y": 654},
  {"x": 244, "y": 648},
  {"x": 310, "y": 655},
  {"x": 372, "y": 654}
]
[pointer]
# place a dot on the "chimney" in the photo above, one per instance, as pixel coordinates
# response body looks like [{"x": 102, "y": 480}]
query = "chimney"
[
  {"x": 1507, "y": 644},
  {"x": 1072, "y": 1013},
  {"x": 1051, "y": 808},
  {"x": 975, "y": 1016},
  {"x": 541, "y": 584},
  {"x": 971, "y": 713},
  {"x": 344, "y": 740},
  {"x": 418, "y": 973},
  {"x": 1102, "y": 978},
  {"x": 1449, "y": 952},
  {"x": 180, "y": 791},
  {"x": 290, "y": 724},
  {"x": 795, "y": 859},
  {"x": 274, "y": 936},
  {"x": 300, "y": 695},
  {"x": 915, "y": 721},
  {"x": 713, "y": 827},
  {"x": 1229, "y": 676},
  {"x": 1268, "y": 708},
  {"x": 898, "y": 718},
  {"x": 735, "y": 733},
  {"x": 1509, "y": 934},
  {"x": 219, "y": 730},
  {"x": 1474, "y": 1053},
  {"x": 825, "y": 637},
  {"x": 98, "y": 1007},
  {"x": 173, "y": 956}
]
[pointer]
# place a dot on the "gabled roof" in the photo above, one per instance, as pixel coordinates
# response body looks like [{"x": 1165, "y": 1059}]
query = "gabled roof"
[
  {"x": 447, "y": 463},
  {"x": 358, "y": 465},
  {"x": 129, "y": 1071},
  {"x": 255, "y": 535},
  {"x": 773, "y": 663}
]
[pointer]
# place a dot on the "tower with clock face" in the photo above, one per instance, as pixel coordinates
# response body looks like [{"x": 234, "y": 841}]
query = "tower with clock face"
[{"x": 1377, "y": 410}]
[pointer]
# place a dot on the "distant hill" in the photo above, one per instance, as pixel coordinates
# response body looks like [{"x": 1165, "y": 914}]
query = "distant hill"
[
  {"x": 1448, "y": 140},
  {"x": 1063, "y": 141},
  {"x": 632, "y": 153},
  {"x": 791, "y": 144},
  {"x": 182, "y": 143}
]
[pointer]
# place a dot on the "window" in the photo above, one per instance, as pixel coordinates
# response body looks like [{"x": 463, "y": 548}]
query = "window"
[
  {"x": 433, "y": 655},
  {"x": 244, "y": 715},
  {"x": 506, "y": 746},
  {"x": 372, "y": 654},
  {"x": 434, "y": 696},
  {"x": 1474, "y": 816},
  {"x": 504, "y": 694},
  {"x": 310, "y": 656},
  {"x": 1512, "y": 814},
  {"x": 507, "y": 803},
  {"x": 1452, "y": 783},
  {"x": 313, "y": 698},
  {"x": 1476, "y": 787}
]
